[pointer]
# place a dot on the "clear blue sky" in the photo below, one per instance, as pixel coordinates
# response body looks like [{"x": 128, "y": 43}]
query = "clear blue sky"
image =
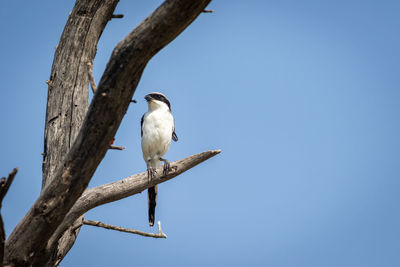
[{"x": 301, "y": 96}]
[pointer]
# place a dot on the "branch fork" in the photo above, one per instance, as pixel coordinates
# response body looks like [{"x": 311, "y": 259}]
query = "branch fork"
[
  {"x": 129, "y": 186},
  {"x": 64, "y": 198}
]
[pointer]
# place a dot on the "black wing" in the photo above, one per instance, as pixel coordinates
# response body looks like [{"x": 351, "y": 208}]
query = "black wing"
[
  {"x": 141, "y": 126},
  {"x": 174, "y": 136}
]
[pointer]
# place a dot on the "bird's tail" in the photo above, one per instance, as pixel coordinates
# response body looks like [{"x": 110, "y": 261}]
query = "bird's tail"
[{"x": 152, "y": 195}]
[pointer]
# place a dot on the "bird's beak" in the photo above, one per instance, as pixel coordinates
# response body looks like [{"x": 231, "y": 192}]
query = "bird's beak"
[{"x": 148, "y": 98}]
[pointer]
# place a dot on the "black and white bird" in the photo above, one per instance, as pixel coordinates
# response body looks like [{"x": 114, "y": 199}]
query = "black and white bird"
[{"x": 158, "y": 129}]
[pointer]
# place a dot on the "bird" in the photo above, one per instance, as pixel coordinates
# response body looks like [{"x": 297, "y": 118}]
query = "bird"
[{"x": 157, "y": 131}]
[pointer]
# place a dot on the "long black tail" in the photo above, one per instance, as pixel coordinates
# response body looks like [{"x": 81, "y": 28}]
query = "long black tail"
[{"x": 152, "y": 196}]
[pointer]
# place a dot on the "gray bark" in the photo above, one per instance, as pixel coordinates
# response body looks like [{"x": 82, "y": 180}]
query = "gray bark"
[
  {"x": 67, "y": 100},
  {"x": 4, "y": 186},
  {"x": 76, "y": 139},
  {"x": 129, "y": 186}
]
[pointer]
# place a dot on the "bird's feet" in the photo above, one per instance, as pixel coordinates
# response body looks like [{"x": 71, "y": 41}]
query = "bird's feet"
[
  {"x": 151, "y": 172},
  {"x": 167, "y": 166}
]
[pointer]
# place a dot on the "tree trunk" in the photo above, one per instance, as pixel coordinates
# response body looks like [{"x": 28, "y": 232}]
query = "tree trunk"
[
  {"x": 67, "y": 100},
  {"x": 77, "y": 137}
]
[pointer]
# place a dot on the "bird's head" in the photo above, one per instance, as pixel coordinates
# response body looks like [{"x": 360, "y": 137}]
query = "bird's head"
[{"x": 157, "y": 100}]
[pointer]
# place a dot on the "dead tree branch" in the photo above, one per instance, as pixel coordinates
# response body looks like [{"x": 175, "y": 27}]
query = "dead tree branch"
[
  {"x": 67, "y": 101},
  {"x": 101, "y": 122},
  {"x": 129, "y": 186},
  {"x": 160, "y": 234},
  {"x": 4, "y": 186},
  {"x": 117, "y": 16},
  {"x": 116, "y": 147}
]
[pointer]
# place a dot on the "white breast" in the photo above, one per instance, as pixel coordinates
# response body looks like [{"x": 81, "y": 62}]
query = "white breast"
[{"x": 157, "y": 133}]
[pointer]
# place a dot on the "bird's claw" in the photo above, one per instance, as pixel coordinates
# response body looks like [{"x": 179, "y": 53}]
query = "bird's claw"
[
  {"x": 151, "y": 173},
  {"x": 167, "y": 167}
]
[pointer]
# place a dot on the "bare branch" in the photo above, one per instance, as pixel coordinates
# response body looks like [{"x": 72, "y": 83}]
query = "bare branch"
[
  {"x": 91, "y": 78},
  {"x": 129, "y": 186},
  {"x": 117, "y": 16},
  {"x": 116, "y": 147},
  {"x": 101, "y": 122},
  {"x": 160, "y": 234},
  {"x": 4, "y": 186},
  {"x": 208, "y": 11}
]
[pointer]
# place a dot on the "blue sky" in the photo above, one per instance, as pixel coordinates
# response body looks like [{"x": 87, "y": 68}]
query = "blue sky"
[{"x": 301, "y": 96}]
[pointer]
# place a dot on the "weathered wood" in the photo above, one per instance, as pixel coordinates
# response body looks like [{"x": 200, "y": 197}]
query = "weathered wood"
[
  {"x": 67, "y": 100},
  {"x": 4, "y": 186},
  {"x": 129, "y": 186},
  {"x": 160, "y": 234},
  {"x": 61, "y": 247},
  {"x": 107, "y": 193},
  {"x": 109, "y": 104}
]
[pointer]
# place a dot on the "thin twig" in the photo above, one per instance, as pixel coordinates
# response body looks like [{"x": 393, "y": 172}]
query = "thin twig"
[
  {"x": 117, "y": 16},
  {"x": 207, "y": 11},
  {"x": 116, "y": 147},
  {"x": 91, "y": 78},
  {"x": 129, "y": 186},
  {"x": 160, "y": 234}
]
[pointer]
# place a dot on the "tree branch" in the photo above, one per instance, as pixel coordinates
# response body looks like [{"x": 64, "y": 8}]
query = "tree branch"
[
  {"x": 117, "y": 16},
  {"x": 67, "y": 101},
  {"x": 129, "y": 186},
  {"x": 67, "y": 98},
  {"x": 4, "y": 186},
  {"x": 116, "y": 147},
  {"x": 160, "y": 234},
  {"x": 102, "y": 120}
]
